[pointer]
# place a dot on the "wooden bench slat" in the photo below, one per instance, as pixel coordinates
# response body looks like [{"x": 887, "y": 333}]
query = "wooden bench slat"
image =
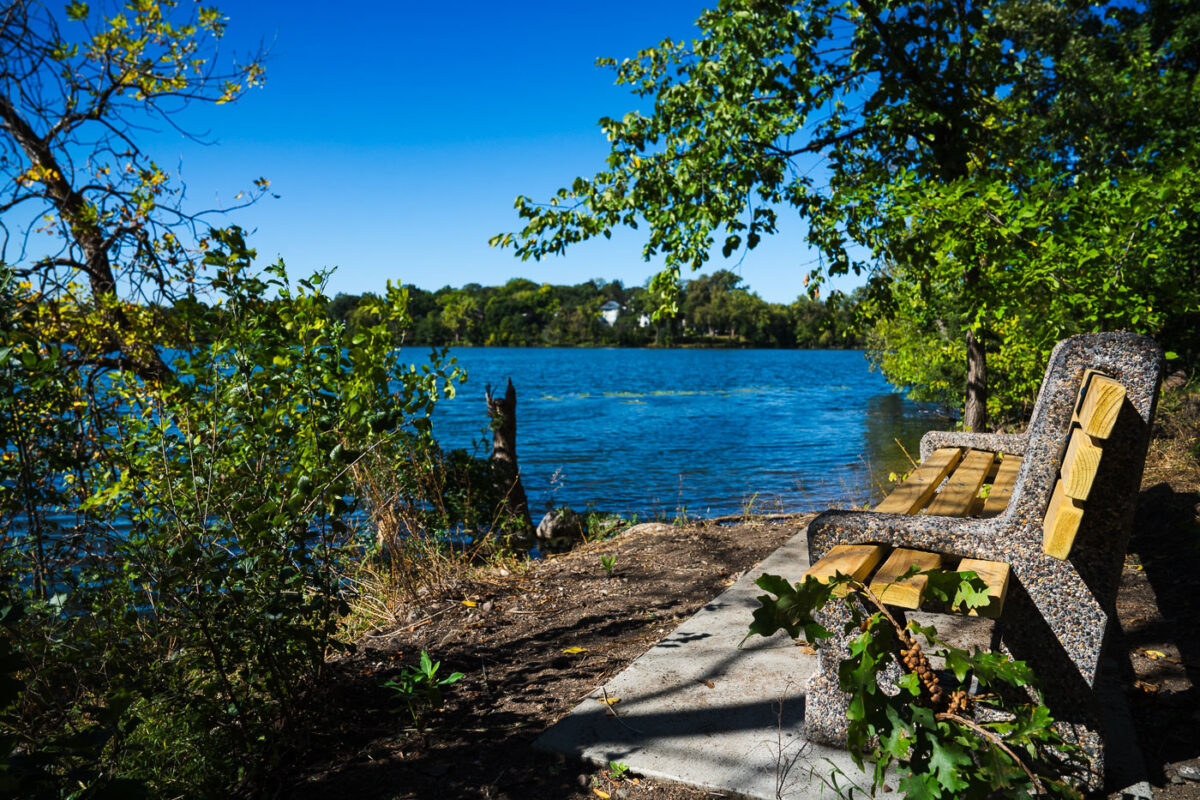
[
  {"x": 915, "y": 491},
  {"x": 1061, "y": 524},
  {"x": 1080, "y": 464},
  {"x": 963, "y": 487},
  {"x": 1002, "y": 486},
  {"x": 906, "y": 593},
  {"x": 995, "y": 575},
  {"x": 855, "y": 560},
  {"x": 1100, "y": 400}
]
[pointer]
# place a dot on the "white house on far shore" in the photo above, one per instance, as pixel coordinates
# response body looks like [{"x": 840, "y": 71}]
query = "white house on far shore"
[{"x": 609, "y": 312}]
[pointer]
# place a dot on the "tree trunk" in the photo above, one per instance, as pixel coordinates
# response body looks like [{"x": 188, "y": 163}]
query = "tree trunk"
[
  {"x": 503, "y": 413},
  {"x": 975, "y": 412}
]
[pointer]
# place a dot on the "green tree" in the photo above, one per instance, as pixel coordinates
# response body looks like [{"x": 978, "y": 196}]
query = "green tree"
[{"x": 842, "y": 109}]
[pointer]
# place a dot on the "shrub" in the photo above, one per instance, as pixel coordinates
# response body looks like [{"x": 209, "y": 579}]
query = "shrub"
[{"x": 183, "y": 545}]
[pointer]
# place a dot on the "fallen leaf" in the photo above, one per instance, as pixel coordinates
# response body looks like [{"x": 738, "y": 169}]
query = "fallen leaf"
[
  {"x": 573, "y": 651},
  {"x": 609, "y": 701},
  {"x": 1154, "y": 654},
  {"x": 709, "y": 684},
  {"x": 602, "y": 794},
  {"x": 469, "y": 603}
]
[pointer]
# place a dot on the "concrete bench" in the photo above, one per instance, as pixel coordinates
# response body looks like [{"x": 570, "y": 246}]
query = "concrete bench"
[{"x": 1048, "y": 535}]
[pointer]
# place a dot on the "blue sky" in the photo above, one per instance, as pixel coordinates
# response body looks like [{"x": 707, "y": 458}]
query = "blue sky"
[{"x": 398, "y": 134}]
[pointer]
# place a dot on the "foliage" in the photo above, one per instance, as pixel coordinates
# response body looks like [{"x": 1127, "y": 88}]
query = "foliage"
[
  {"x": 182, "y": 561},
  {"x": 715, "y": 310},
  {"x": 1097, "y": 254},
  {"x": 946, "y": 741},
  {"x": 103, "y": 224},
  {"x": 419, "y": 688},
  {"x": 608, "y": 564},
  {"x": 948, "y": 149}
]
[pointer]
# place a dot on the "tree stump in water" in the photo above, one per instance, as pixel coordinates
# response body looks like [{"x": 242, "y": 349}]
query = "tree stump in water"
[{"x": 503, "y": 413}]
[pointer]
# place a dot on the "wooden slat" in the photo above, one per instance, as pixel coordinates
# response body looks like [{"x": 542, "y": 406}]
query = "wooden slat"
[
  {"x": 1002, "y": 487},
  {"x": 977, "y": 504},
  {"x": 855, "y": 560},
  {"x": 910, "y": 496},
  {"x": 1063, "y": 517},
  {"x": 1080, "y": 464},
  {"x": 906, "y": 593},
  {"x": 960, "y": 491},
  {"x": 1100, "y": 400},
  {"x": 995, "y": 575}
]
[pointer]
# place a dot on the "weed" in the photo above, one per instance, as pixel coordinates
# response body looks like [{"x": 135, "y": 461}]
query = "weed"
[
  {"x": 617, "y": 770},
  {"x": 604, "y": 525},
  {"x": 608, "y": 562},
  {"x": 419, "y": 688},
  {"x": 748, "y": 506},
  {"x": 927, "y": 731}
]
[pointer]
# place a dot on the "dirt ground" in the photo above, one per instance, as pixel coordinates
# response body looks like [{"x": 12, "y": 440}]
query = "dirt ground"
[{"x": 508, "y": 632}]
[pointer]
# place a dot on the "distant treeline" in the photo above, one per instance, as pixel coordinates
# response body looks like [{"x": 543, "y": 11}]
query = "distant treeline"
[{"x": 715, "y": 310}]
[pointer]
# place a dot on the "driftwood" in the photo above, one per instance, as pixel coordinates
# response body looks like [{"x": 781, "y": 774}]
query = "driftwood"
[{"x": 503, "y": 413}]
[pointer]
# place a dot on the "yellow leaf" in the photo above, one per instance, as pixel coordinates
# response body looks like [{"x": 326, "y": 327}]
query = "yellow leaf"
[
  {"x": 572, "y": 651},
  {"x": 609, "y": 701},
  {"x": 602, "y": 794},
  {"x": 469, "y": 603},
  {"x": 1155, "y": 654}
]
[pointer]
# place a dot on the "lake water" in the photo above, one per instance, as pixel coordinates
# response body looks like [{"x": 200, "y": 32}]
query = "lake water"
[{"x": 705, "y": 432}]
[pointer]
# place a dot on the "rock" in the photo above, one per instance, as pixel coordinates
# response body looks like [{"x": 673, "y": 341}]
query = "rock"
[
  {"x": 649, "y": 527},
  {"x": 1188, "y": 771},
  {"x": 560, "y": 530},
  {"x": 1175, "y": 380}
]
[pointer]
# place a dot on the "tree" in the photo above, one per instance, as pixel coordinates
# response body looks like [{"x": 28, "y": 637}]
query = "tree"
[
  {"x": 839, "y": 108},
  {"x": 74, "y": 93}
]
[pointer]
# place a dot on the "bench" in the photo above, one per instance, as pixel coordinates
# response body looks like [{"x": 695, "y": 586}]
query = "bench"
[{"x": 1047, "y": 535}]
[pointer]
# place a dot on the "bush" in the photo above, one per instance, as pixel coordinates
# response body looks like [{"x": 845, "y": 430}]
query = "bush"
[{"x": 183, "y": 545}]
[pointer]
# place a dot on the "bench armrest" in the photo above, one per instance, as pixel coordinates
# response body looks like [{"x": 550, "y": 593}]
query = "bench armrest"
[
  {"x": 1012, "y": 443},
  {"x": 923, "y": 531}
]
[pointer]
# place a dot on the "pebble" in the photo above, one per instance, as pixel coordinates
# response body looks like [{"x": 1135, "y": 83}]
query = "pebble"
[{"x": 1188, "y": 771}]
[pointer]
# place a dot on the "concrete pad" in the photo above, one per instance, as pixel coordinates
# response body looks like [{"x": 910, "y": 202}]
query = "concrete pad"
[{"x": 698, "y": 710}]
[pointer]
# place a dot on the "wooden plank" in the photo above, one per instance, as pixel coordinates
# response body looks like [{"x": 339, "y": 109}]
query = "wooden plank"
[
  {"x": 963, "y": 487},
  {"x": 1063, "y": 517},
  {"x": 1080, "y": 464},
  {"x": 977, "y": 504},
  {"x": 1002, "y": 487},
  {"x": 855, "y": 560},
  {"x": 910, "y": 496},
  {"x": 1100, "y": 401},
  {"x": 995, "y": 575},
  {"x": 906, "y": 593}
]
